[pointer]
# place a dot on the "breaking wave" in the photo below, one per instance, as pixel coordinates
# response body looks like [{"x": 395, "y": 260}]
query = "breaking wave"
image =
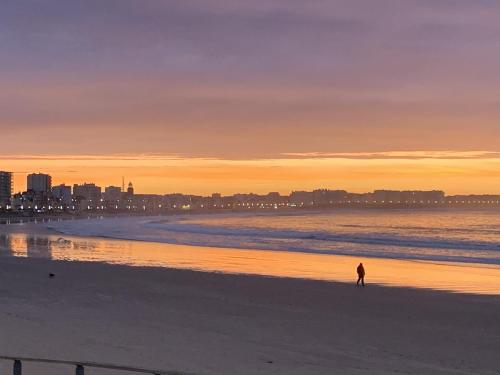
[{"x": 308, "y": 233}]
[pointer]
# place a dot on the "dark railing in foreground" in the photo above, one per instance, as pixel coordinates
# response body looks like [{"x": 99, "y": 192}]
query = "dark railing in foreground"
[{"x": 80, "y": 366}]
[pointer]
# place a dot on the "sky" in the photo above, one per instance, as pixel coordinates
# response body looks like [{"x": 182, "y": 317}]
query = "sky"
[{"x": 263, "y": 95}]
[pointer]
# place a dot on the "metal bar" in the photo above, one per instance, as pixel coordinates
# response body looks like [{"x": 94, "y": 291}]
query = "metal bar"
[
  {"x": 108, "y": 366},
  {"x": 18, "y": 367},
  {"x": 79, "y": 370}
]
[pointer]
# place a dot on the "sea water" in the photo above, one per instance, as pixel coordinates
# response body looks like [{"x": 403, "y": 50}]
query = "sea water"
[{"x": 434, "y": 235}]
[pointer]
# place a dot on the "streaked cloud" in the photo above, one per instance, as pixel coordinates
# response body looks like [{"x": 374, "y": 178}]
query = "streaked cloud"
[
  {"x": 412, "y": 155},
  {"x": 147, "y": 158}
]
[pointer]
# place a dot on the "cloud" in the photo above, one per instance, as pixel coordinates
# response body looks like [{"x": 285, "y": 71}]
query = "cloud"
[
  {"x": 407, "y": 155},
  {"x": 248, "y": 79},
  {"x": 162, "y": 159}
]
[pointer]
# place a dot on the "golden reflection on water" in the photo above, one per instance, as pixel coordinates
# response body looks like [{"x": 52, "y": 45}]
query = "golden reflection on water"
[{"x": 455, "y": 277}]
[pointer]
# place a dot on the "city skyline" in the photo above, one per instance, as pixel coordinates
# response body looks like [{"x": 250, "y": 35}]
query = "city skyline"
[
  {"x": 37, "y": 182},
  {"x": 42, "y": 197}
]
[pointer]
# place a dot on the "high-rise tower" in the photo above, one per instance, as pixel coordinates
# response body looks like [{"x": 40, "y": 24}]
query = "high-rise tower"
[
  {"x": 5, "y": 188},
  {"x": 39, "y": 183}
]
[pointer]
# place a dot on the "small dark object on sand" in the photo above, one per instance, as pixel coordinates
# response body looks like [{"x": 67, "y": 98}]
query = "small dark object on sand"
[
  {"x": 51, "y": 275},
  {"x": 270, "y": 362}
]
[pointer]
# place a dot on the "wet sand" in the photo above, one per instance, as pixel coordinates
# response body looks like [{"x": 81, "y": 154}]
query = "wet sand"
[
  {"x": 207, "y": 323},
  {"x": 33, "y": 241}
]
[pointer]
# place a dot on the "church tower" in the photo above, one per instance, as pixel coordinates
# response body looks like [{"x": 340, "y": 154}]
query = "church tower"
[{"x": 130, "y": 189}]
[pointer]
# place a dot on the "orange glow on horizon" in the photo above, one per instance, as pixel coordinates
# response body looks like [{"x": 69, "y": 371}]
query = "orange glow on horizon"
[{"x": 454, "y": 172}]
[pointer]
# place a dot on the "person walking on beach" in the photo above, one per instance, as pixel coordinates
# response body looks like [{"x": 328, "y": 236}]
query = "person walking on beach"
[{"x": 361, "y": 274}]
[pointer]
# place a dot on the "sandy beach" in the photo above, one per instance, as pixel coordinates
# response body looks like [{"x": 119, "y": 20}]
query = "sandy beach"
[{"x": 208, "y": 323}]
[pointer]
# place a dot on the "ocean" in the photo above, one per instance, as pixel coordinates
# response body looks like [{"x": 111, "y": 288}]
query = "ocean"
[{"x": 431, "y": 235}]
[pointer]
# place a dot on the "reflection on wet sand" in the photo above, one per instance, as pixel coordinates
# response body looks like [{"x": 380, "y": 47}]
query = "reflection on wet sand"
[
  {"x": 38, "y": 247},
  {"x": 456, "y": 277},
  {"x": 13, "y": 244},
  {"x": 5, "y": 241},
  {"x": 33, "y": 220}
]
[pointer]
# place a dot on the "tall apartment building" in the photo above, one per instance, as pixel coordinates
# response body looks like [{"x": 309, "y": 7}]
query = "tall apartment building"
[
  {"x": 5, "y": 189},
  {"x": 39, "y": 183}
]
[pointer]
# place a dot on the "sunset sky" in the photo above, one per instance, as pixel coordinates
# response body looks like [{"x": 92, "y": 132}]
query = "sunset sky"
[{"x": 252, "y": 96}]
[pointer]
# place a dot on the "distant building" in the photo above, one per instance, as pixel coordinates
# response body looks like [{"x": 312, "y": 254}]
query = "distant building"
[
  {"x": 23, "y": 201},
  {"x": 301, "y": 199},
  {"x": 62, "y": 196},
  {"x": 147, "y": 202},
  {"x": 39, "y": 191},
  {"x": 274, "y": 200},
  {"x": 5, "y": 189},
  {"x": 87, "y": 196},
  {"x": 176, "y": 201},
  {"x": 39, "y": 183},
  {"x": 112, "y": 193},
  {"x": 387, "y": 196},
  {"x": 474, "y": 200},
  {"x": 243, "y": 201},
  {"x": 130, "y": 189},
  {"x": 216, "y": 200},
  {"x": 325, "y": 197}
]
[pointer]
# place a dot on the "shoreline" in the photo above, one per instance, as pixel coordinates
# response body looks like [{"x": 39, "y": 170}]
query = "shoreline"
[
  {"x": 217, "y": 323},
  {"x": 351, "y": 283},
  {"x": 36, "y": 241}
]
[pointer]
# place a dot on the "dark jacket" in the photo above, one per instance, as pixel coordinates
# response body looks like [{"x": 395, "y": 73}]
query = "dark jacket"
[{"x": 361, "y": 271}]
